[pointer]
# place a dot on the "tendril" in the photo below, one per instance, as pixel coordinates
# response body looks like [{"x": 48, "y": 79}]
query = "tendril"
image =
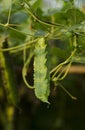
[{"x": 24, "y": 70}]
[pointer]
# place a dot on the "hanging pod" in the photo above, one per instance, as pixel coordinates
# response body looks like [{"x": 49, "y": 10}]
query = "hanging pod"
[{"x": 41, "y": 74}]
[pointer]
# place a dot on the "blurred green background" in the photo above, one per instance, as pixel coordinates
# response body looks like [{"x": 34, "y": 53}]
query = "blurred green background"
[{"x": 63, "y": 113}]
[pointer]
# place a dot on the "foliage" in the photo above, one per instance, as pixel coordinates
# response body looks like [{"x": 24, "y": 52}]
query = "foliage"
[{"x": 23, "y": 27}]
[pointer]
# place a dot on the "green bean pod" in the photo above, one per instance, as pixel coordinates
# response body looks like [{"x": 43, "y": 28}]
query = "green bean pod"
[{"x": 41, "y": 74}]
